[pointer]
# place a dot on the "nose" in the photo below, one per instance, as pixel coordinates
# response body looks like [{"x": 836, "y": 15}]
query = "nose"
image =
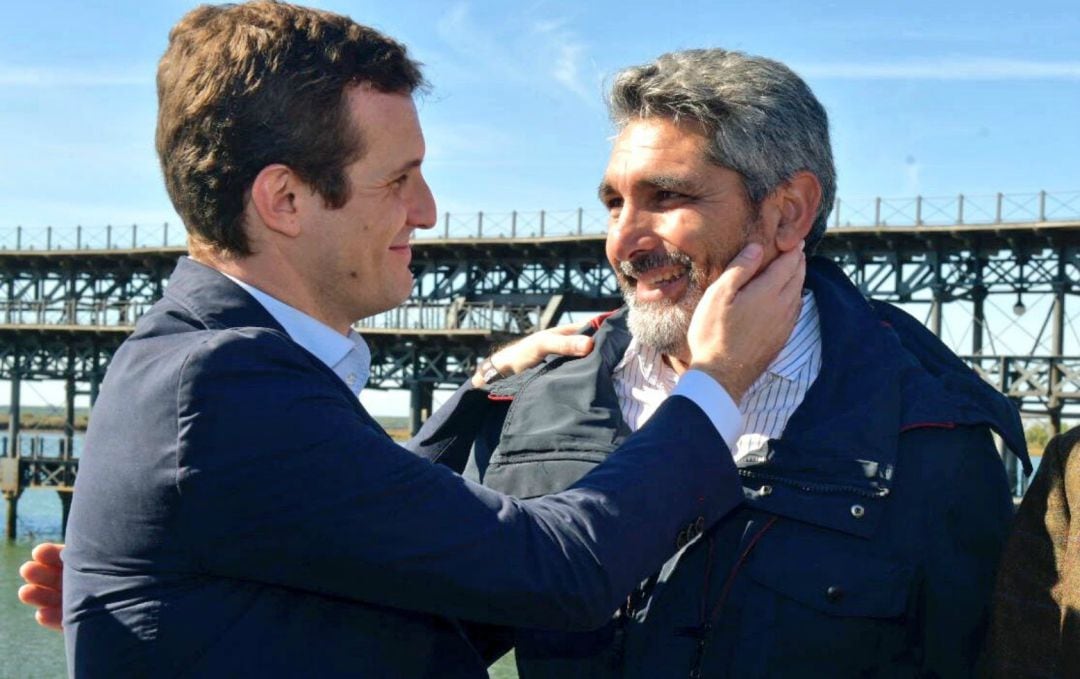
[
  {"x": 631, "y": 233},
  {"x": 422, "y": 214}
]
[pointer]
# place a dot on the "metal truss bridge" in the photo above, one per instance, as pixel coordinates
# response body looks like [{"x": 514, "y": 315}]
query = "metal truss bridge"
[{"x": 995, "y": 276}]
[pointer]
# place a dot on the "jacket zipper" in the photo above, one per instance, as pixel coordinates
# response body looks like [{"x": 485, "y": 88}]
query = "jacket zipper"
[{"x": 812, "y": 487}]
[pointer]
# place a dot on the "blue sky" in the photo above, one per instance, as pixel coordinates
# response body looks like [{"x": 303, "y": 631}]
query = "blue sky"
[{"x": 931, "y": 98}]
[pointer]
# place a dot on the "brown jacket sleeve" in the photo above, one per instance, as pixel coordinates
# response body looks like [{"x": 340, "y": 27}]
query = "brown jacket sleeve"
[{"x": 1035, "y": 625}]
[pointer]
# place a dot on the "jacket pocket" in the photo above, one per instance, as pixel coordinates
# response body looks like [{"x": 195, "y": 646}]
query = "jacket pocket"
[
  {"x": 831, "y": 575},
  {"x": 817, "y": 603}
]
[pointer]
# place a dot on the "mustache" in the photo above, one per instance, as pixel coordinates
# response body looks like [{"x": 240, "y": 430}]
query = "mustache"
[{"x": 638, "y": 266}]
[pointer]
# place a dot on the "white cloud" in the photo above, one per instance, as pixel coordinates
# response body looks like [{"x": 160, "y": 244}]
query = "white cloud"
[
  {"x": 519, "y": 51},
  {"x": 481, "y": 47},
  {"x": 566, "y": 54},
  {"x": 949, "y": 68}
]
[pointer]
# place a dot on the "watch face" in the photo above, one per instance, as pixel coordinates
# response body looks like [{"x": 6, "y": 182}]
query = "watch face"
[{"x": 489, "y": 372}]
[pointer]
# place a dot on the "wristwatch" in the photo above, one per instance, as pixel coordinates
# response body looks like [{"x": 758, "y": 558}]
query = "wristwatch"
[{"x": 488, "y": 372}]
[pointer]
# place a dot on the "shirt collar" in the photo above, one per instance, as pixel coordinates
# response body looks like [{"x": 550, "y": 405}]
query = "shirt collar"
[
  {"x": 649, "y": 363},
  {"x": 347, "y": 355},
  {"x": 804, "y": 340}
]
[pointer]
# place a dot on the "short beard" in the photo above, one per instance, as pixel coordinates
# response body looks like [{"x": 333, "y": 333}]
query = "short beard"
[{"x": 662, "y": 325}]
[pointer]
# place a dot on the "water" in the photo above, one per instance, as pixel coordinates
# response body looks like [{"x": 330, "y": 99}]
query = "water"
[
  {"x": 48, "y": 443},
  {"x": 28, "y": 651}
]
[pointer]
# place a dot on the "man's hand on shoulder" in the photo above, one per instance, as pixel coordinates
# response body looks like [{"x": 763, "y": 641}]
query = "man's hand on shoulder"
[
  {"x": 745, "y": 318},
  {"x": 530, "y": 350},
  {"x": 43, "y": 576}
]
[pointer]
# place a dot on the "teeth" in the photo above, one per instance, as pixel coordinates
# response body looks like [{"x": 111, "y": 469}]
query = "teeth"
[{"x": 665, "y": 279}]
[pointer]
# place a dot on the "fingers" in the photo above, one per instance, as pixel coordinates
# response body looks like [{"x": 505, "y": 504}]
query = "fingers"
[
  {"x": 51, "y": 618},
  {"x": 565, "y": 329},
  {"x": 43, "y": 576},
  {"x": 574, "y": 345},
  {"x": 40, "y": 574},
  {"x": 743, "y": 320},
  {"x": 48, "y": 553},
  {"x": 527, "y": 352},
  {"x": 742, "y": 267},
  {"x": 783, "y": 274},
  {"x": 40, "y": 597}
]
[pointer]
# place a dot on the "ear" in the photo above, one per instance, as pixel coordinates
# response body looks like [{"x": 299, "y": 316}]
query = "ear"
[
  {"x": 797, "y": 201},
  {"x": 274, "y": 195}
]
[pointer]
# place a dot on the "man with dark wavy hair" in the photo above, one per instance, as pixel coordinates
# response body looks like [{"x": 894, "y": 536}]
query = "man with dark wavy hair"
[
  {"x": 876, "y": 505},
  {"x": 237, "y": 511}
]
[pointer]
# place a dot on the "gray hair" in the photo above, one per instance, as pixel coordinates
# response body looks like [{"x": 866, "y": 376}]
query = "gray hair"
[{"x": 762, "y": 120}]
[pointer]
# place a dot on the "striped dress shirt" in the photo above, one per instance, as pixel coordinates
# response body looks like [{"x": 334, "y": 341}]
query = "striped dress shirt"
[{"x": 643, "y": 380}]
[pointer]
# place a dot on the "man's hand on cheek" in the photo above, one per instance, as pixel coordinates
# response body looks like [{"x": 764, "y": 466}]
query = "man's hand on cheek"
[{"x": 746, "y": 317}]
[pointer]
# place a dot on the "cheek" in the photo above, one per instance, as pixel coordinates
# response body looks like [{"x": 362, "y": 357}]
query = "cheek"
[{"x": 609, "y": 251}]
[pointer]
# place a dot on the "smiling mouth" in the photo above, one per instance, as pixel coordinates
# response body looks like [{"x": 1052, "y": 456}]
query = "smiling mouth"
[{"x": 661, "y": 283}]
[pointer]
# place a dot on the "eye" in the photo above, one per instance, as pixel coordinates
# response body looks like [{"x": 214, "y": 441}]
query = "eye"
[
  {"x": 613, "y": 203},
  {"x": 670, "y": 196}
]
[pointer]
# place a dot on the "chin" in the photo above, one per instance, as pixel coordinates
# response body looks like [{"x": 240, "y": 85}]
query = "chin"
[{"x": 663, "y": 329}]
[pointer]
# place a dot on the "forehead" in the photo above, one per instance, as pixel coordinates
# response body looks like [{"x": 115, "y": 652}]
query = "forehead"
[
  {"x": 650, "y": 145},
  {"x": 387, "y": 122}
]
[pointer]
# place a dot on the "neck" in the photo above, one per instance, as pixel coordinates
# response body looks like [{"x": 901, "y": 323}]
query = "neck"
[
  {"x": 677, "y": 364},
  {"x": 275, "y": 278}
]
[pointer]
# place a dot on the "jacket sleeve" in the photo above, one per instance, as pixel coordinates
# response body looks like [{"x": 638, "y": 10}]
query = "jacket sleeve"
[
  {"x": 966, "y": 533},
  {"x": 447, "y": 436},
  {"x": 283, "y": 480},
  {"x": 1025, "y": 637}
]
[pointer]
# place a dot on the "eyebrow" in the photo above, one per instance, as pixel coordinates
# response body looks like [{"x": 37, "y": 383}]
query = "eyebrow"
[
  {"x": 662, "y": 182},
  {"x": 415, "y": 162}
]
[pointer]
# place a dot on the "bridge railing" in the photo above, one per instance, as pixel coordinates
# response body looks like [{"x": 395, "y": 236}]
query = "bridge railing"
[
  {"x": 457, "y": 315},
  {"x": 108, "y": 237},
  {"x": 72, "y": 312},
  {"x": 998, "y": 208}
]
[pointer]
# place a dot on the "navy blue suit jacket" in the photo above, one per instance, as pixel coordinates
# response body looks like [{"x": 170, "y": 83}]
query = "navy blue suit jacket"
[{"x": 237, "y": 512}]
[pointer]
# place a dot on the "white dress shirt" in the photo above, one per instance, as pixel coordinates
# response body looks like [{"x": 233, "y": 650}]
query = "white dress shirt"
[
  {"x": 348, "y": 356},
  {"x": 643, "y": 380}
]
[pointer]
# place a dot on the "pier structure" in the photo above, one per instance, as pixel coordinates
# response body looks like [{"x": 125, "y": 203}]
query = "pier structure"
[{"x": 995, "y": 276}]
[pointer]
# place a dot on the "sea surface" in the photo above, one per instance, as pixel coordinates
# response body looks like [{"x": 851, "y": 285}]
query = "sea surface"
[{"x": 27, "y": 651}]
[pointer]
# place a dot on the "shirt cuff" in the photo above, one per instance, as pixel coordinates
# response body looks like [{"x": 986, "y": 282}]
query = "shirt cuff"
[{"x": 712, "y": 398}]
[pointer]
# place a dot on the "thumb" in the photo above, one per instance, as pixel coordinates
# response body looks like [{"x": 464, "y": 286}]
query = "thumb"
[{"x": 742, "y": 267}]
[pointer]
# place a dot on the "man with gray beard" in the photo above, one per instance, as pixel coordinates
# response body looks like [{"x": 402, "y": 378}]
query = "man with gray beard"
[{"x": 876, "y": 505}]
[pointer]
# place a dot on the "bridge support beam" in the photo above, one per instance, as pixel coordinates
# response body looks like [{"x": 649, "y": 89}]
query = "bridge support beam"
[
  {"x": 978, "y": 314},
  {"x": 15, "y": 413},
  {"x": 14, "y": 430},
  {"x": 1057, "y": 343},
  {"x": 935, "y": 313},
  {"x": 421, "y": 397},
  {"x": 65, "y": 510},
  {"x": 12, "y": 514},
  {"x": 69, "y": 420}
]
